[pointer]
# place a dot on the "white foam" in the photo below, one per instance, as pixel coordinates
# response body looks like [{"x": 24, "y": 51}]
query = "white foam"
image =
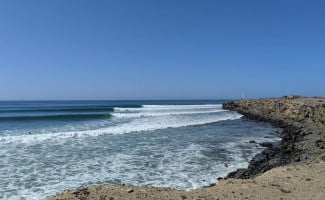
[
  {"x": 153, "y": 114},
  {"x": 135, "y": 125},
  {"x": 181, "y": 169},
  {"x": 161, "y": 110},
  {"x": 170, "y": 107},
  {"x": 58, "y": 161}
]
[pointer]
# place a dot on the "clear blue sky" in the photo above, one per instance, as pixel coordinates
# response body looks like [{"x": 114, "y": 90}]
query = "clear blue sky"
[{"x": 160, "y": 49}]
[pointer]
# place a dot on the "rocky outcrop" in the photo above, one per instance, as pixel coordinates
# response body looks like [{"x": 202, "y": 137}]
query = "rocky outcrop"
[{"x": 303, "y": 135}]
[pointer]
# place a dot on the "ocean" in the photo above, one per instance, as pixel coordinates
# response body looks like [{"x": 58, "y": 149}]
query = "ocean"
[{"x": 49, "y": 146}]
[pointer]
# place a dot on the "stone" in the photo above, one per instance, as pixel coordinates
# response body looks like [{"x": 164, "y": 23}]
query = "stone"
[
  {"x": 320, "y": 144},
  {"x": 266, "y": 144}
]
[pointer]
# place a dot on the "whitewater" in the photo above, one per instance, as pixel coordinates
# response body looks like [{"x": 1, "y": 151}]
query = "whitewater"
[{"x": 47, "y": 147}]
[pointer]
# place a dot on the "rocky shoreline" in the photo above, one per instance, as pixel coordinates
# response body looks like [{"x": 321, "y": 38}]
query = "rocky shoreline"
[
  {"x": 303, "y": 124},
  {"x": 291, "y": 169}
]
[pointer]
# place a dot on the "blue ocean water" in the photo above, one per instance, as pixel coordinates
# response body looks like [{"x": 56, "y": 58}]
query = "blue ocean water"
[{"x": 49, "y": 146}]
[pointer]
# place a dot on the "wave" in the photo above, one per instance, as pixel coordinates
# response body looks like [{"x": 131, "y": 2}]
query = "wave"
[
  {"x": 171, "y": 113},
  {"x": 70, "y": 109},
  {"x": 56, "y": 117},
  {"x": 128, "y": 106},
  {"x": 185, "y": 106},
  {"x": 169, "y": 107},
  {"x": 136, "y": 125},
  {"x": 66, "y": 109},
  {"x": 166, "y": 110}
]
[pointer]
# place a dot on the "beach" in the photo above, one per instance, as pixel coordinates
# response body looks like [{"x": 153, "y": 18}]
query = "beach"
[
  {"x": 136, "y": 100},
  {"x": 51, "y": 146},
  {"x": 290, "y": 169}
]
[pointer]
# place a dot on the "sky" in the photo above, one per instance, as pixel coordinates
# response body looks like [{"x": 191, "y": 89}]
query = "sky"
[{"x": 161, "y": 49}]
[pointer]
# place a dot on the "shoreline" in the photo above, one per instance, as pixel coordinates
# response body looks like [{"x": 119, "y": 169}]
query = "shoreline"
[
  {"x": 301, "y": 124},
  {"x": 302, "y": 147},
  {"x": 291, "y": 148}
]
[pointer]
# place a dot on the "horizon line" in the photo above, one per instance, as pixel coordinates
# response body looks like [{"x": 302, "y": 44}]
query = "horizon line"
[{"x": 120, "y": 99}]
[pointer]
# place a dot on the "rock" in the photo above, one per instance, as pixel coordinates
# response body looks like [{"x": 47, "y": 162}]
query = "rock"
[
  {"x": 210, "y": 185},
  {"x": 266, "y": 144},
  {"x": 320, "y": 144},
  {"x": 301, "y": 120},
  {"x": 252, "y": 142},
  {"x": 130, "y": 190},
  {"x": 297, "y": 159},
  {"x": 284, "y": 190}
]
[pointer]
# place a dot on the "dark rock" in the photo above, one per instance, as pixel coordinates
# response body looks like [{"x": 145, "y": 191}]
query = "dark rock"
[
  {"x": 297, "y": 159},
  {"x": 284, "y": 190},
  {"x": 130, "y": 190},
  {"x": 81, "y": 192},
  {"x": 252, "y": 142},
  {"x": 266, "y": 144},
  {"x": 210, "y": 185},
  {"x": 320, "y": 143}
]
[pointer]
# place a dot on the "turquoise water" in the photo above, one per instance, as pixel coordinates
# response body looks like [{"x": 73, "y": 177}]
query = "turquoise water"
[{"x": 50, "y": 146}]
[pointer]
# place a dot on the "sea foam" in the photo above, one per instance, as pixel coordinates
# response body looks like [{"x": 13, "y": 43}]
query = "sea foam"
[
  {"x": 178, "y": 146},
  {"x": 144, "y": 119}
]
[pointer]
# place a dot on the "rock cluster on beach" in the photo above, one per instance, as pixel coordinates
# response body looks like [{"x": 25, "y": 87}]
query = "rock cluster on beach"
[{"x": 292, "y": 169}]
